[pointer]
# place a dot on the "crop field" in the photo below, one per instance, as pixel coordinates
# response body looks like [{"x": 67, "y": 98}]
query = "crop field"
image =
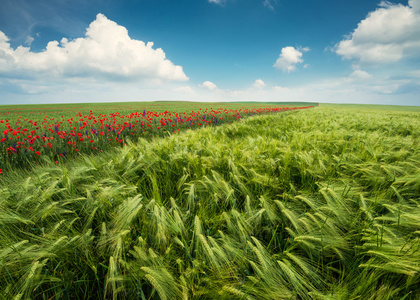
[
  {"x": 273, "y": 203},
  {"x": 63, "y": 131}
]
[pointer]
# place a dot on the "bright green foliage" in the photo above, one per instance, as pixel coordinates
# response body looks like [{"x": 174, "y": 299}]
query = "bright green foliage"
[{"x": 316, "y": 204}]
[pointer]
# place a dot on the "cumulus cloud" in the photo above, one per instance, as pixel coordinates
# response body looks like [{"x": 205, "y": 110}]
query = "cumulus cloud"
[
  {"x": 106, "y": 50},
  {"x": 259, "y": 84},
  {"x": 415, "y": 5},
  {"x": 289, "y": 58},
  {"x": 208, "y": 85},
  {"x": 386, "y": 35},
  {"x": 359, "y": 74}
]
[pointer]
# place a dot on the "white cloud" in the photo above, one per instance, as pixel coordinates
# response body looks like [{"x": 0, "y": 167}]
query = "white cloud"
[
  {"x": 29, "y": 40},
  {"x": 386, "y": 35},
  {"x": 184, "y": 89},
  {"x": 220, "y": 2},
  {"x": 208, "y": 85},
  {"x": 270, "y": 4},
  {"x": 378, "y": 89},
  {"x": 259, "y": 84},
  {"x": 289, "y": 58},
  {"x": 359, "y": 74},
  {"x": 107, "y": 50},
  {"x": 278, "y": 88},
  {"x": 415, "y": 5}
]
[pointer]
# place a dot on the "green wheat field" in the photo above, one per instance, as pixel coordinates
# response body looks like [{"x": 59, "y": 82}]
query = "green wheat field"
[{"x": 320, "y": 203}]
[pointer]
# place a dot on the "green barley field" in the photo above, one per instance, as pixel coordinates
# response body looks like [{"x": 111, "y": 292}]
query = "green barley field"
[{"x": 321, "y": 203}]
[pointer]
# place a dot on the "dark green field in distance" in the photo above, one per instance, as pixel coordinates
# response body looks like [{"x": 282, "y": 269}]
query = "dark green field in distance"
[{"x": 372, "y": 107}]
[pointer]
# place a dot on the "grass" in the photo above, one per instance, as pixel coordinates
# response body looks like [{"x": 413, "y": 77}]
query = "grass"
[
  {"x": 70, "y": 109},
  {"x": 63, "y": 132},
  {"x": 314, "y": 204},
  {"x": 375, "y": 107}
]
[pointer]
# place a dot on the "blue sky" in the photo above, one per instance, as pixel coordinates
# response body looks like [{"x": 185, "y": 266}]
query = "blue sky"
[{"x": 210, "y": 50}]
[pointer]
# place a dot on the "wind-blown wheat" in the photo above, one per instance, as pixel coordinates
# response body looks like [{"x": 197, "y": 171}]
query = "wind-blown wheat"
[{"x": 318, "y": 204}]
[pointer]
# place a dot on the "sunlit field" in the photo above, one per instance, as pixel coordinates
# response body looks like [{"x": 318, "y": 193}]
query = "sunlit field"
[
  {"x": 314, "y": 203},
  {"x": 28, "y": 134}
]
